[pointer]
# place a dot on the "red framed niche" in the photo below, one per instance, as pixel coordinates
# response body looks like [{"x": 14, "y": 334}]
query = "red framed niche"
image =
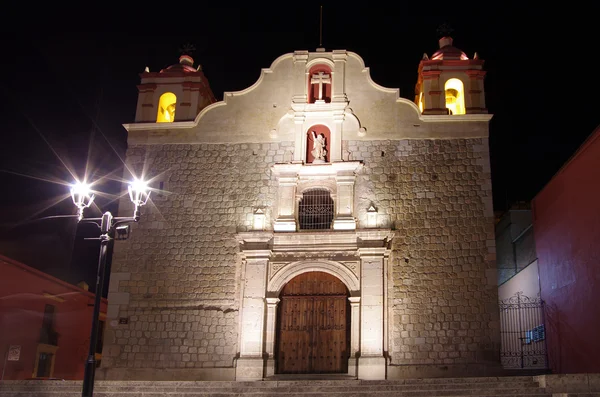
[
  {"x": 313, "y": 89},
  {"x": 318, "y": 129}
]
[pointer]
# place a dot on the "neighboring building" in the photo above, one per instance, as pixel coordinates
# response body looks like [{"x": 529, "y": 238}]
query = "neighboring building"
[
  {"x": 47, "y": 323},
  {"x": 566, "y": 223},
  {"x": 314, "y": 222},
  {"x": 515, "y": 244},
  {"x": 523, "y": 344}
]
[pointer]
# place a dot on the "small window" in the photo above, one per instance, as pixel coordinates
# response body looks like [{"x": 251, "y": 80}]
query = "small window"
[
  {"x": 315, "y": 210},
  {"x": 166, "y": 108}
]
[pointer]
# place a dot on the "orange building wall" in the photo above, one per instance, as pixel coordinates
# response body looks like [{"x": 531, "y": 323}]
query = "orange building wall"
[{"x": 24, "y": 293}]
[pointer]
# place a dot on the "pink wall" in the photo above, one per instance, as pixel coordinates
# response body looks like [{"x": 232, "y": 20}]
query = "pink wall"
[
  {"x": 566, "y": 221},
  {"x": 22, "y": 304}
]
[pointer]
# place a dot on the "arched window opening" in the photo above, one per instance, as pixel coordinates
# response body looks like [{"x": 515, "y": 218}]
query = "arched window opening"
[
  {"x": 455, "y": 98},
  {"x": 166, "y": 108},
  {"x": 315, "y": 210},
  {"x": 421, "y": 107}
]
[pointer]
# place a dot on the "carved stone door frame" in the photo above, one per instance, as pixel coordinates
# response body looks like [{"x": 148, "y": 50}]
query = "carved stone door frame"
[{"x": 358, "y": 258}]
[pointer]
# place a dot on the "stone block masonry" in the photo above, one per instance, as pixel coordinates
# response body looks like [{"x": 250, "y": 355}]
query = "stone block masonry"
[
  {"x": 180, "y": 264},
  {"x": 436, "y": 195},
  {"x": 179, "y": 273}
]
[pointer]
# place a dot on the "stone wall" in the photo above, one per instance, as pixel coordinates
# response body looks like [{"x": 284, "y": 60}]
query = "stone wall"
[
  {"x": 436, "y": 195},
  {"x": 175, "y": 279}
]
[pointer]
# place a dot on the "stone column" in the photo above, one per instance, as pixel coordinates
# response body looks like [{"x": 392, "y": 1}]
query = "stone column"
[
  {"x": 354, "y": 333},
  {"x": 299, "y": 137},
  {"x": 372, "y": 363},
  {"x": 270, "y": 334},
  {"x": 344, "y": 212},
  {"x": 339, "y": 75},
  {"x": 433, "y": 94},
  {"x": 250, "y": 364},
  {"x": 300, "y": 84},
  {"x": 286, "y": 198},
  {"x": 335, "y": 148}
]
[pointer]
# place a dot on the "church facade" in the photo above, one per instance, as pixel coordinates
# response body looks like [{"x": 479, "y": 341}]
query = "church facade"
[{"x": 313, "y": 223}]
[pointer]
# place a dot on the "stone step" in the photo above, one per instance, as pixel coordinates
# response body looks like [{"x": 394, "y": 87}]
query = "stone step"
[
  {"x": 291, "y": 386},
  {"x": 271, "y": 386},
  {"x": 523, "y": 386},
  {"x": 463, "y": 393},
  {"x": 286, "y": 391},
  {"x": 592, "y": 394}
]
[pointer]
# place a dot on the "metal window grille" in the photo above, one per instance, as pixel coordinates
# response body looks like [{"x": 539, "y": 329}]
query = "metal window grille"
[
  {"x": 315, "y": 210},
  {"x": 522, "y": 333}
]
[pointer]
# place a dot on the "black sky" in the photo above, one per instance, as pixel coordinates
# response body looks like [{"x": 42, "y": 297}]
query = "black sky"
[{"x": 69, "y": 79}]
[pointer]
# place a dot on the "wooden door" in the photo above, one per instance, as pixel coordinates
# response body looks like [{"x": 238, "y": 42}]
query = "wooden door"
[{"x": 313, "y": 326}]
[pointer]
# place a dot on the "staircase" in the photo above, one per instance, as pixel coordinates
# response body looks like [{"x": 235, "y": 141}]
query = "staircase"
[{"x": 514, "y": 386}]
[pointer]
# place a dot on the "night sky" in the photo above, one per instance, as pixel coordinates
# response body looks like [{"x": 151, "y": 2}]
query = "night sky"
[{"x": 69, "y": 83}]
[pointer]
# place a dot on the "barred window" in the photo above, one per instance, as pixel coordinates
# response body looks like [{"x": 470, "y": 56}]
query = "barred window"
[{"x": 315, "y": 210}]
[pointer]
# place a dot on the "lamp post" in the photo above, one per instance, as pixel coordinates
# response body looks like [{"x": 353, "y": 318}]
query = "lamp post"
[{"x": 83, "y": 198}]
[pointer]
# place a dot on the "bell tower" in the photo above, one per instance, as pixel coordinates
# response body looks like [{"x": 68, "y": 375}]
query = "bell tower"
[
  {"x": 449, "y": 82},
  {"x": 176, "y": 93}
]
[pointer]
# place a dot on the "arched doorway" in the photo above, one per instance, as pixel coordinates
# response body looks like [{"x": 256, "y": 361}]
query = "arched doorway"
[{"x": 313, "y": 330}]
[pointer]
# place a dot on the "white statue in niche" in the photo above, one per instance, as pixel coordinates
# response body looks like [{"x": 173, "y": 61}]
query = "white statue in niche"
[{"x": 319, "y": 151}]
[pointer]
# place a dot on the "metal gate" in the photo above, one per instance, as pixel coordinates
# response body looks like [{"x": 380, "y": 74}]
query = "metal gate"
[{"x": 523, "y": 333}]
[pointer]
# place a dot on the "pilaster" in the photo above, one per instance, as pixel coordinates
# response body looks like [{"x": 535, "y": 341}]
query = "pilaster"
[
  {"x": 270, "y": 335},
  {"x": 300, "y": 94},
  {"x": 339, "y": 76},
  {"x": 256, "y": 253},
  {"x": 286, "y": 203},
  {"x": 373, "y": 251},
  {"x": 344, "y": 216},
  {"x": 354, "y": 334}
]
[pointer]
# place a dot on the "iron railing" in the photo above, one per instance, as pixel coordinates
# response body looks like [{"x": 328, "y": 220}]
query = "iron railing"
[{"x": 315, "y": 210}]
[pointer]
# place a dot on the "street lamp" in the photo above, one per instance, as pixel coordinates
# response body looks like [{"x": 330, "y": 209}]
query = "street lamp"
[{"x": 83, "y": 198}]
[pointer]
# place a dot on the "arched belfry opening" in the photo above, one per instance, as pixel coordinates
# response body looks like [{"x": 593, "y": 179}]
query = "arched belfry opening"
[
  {"x": 313, "y": 327},
  {"x": 166, "y": 108},
  {"x": 319, "y": 84},
  {"x": 455, "y": 96}
]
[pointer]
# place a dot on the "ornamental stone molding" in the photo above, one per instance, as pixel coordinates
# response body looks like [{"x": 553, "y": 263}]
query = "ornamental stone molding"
[{"x": 293, "y": 178}]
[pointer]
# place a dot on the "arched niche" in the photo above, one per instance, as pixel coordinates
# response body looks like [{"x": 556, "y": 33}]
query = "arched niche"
[
  {"x": 319, "y": 83},
  {"x": 166, "y": 108},
  {"x": 455, "y": 96},
  {"x": 319, "y": 130}
]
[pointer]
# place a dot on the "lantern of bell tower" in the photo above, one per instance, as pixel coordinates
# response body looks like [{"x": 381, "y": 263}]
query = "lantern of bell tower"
[
  {"x": 449, "y": 82},
  {"x": 176, "y": 93}
]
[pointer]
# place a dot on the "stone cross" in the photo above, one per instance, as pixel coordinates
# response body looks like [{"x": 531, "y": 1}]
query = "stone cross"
[{"x": 320, "y": 79}]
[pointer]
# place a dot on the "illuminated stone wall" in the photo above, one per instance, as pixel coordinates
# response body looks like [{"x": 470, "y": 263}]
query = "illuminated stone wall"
[
  {"x": 436, "y": 195},
  {"x": 175, "y": 279}
]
